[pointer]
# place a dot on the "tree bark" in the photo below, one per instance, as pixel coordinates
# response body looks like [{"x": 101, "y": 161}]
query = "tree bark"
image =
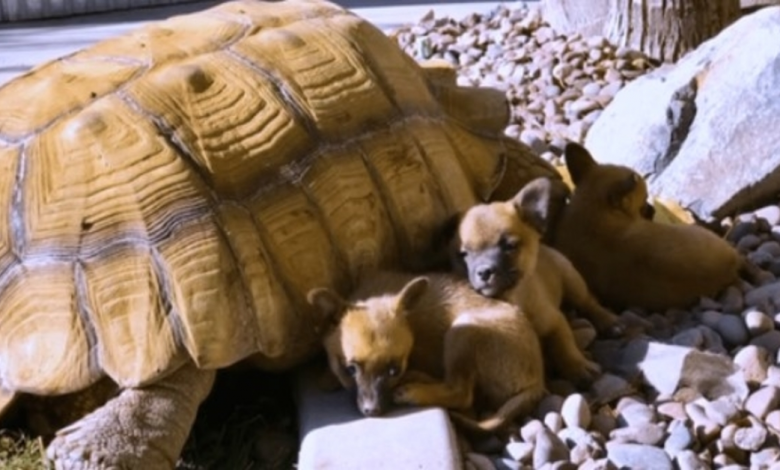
[
  {"x": 667, "y": 29},
  {"x": 585, "y": 17}
]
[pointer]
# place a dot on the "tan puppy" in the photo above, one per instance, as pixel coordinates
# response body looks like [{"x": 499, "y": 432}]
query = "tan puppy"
[
  {"x": 499, "y": 247},
  {"x": 628, "y": 260},
  {"x": 433, "y": 341}
]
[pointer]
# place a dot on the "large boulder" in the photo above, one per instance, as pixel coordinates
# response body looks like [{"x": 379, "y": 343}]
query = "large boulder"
[{"x": 706, "y": 128}]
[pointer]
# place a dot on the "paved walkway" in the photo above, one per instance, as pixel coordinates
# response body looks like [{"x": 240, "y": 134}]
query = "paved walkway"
[{"x": 23, "y": 45}]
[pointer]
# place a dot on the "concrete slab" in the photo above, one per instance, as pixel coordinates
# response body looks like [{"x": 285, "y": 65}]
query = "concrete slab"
[
  {"x": 334, "y": 435},
  {"x": 23, "y": 45}
]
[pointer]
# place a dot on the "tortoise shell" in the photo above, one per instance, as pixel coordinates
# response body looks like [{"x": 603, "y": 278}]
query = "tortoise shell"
[{"x": 173, "y": 193}]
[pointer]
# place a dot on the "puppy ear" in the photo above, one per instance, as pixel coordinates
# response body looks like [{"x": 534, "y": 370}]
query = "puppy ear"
[
  {"x": 578, "y": 161},
  {"x": 328, "y": 302},
  {"x": 621, "y": 189},
  {"x": 412, "y": 293},
  {"x": 533, "y": 202}
]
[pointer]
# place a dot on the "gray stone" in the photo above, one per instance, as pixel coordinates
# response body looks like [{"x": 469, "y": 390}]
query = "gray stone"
[
  {"x": 638, "y": 457},
  {"x": 760, "y": 295},
  {"x": 769, "y": 341},
  {"x": 694, "y": 132},
  {"x": 691, "y": 337},
  {"x": 609, "y": 387},
  {"x": 733, "y": 330},
  {"x": 479, "y": 461},
  {"x": 551, "y": 402},
  {"x": 576, "y": 411},
  {"x": 731, "y": 300}
]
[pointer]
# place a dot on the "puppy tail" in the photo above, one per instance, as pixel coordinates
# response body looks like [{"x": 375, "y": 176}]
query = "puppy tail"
[{"x": 521, "y": 404}]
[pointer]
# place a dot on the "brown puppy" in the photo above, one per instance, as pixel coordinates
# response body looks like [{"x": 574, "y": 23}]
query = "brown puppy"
[
  {"x": 499, "y": 247},
  {"x": 432, "y": 341},
  {"x": 628, "y": 260}
]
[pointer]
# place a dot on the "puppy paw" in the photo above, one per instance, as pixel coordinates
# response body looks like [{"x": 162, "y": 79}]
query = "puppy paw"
[
  {"x": 582, "y": 372},
  {"x": 406, "y": 394}
]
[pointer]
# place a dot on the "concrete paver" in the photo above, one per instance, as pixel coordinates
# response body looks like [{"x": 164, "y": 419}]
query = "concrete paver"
[{"x": 334, "y": 435}]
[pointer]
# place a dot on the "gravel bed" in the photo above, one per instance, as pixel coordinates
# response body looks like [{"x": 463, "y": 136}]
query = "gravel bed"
[{"x": 557, "y": 86}]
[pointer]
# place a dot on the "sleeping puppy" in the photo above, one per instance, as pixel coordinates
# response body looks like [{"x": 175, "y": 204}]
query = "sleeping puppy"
[{"x": 628, "y": 260}]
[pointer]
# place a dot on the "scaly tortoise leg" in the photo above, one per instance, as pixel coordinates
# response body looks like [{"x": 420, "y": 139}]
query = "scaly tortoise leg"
[{"x": 140, "y": 428}]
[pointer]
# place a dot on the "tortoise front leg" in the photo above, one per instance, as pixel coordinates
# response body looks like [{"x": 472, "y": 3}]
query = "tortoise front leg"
[{"x": 140, "y": 428}]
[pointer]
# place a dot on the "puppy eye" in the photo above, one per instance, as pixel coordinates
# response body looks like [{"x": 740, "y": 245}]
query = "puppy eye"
[
  {"x": 351, "y": 369},
  {"x": 507, "y": 244},
  {"x": 393, "y": 371},
  {"x": 462, "y": 253}
]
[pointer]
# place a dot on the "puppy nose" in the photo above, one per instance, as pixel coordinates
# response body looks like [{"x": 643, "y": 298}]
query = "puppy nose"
[
  {"x": 485, "y": 273},
  {"x": 370, "y": 410}
]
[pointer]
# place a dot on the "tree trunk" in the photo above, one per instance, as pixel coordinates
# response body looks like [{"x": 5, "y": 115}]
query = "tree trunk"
[
  {"x": 667, "y": 29},
  {"x": 585, "y": 17}
]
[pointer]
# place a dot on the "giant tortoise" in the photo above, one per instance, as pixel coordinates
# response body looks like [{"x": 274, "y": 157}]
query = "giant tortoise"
[{"x": 169, "y": 196}]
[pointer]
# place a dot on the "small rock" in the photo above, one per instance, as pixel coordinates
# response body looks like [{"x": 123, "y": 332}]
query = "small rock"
[
  {"x": 549, "y": 403},
  {"x": 576, "y": 411},
  {"x": 578, "y": 437},
  {"x": 531, "y": 429},
  {"x": 636, "y": 414},
  {"x": 705, "y": 428},
  {"x": 760, "y": 295},
  {"x": 600, "y": 464},
  {"x": 480, "y": 462},
  {"x": 733, "y": 330},
  {"x": 673, "y": 410},
  {"x": 772, "y": 421},
  {"x": 503, "y": 463},
  {"x": 680, "y": 438},
  {"x": 637, "y": 456},
  {"x": 762, "y": 401},
  {"x": 757, "y": 322},
  {"x": 553, "y": 421},
  {"x": 721, "y": 410},
  {"x": 688, "y": 460},
  {"x": 603, "y": 423},
  {"x": 520, "y": 451},
  {"x": 769, "y": 213},
  {"x": 647, "y": 433},
  {"x": 754, "y": 362},
  {"x": 769, "y": 341},
  {"x": 711, "y": 318},
  {"x": 748, "y": 242},
  {"x": 771, "y": 247},
  {"x": 765, "y": 457},
  {"x": 548, "y": 448},
  {"x": 772, "y": 376},
  {"x": 731, "y": 300},
  {"x": 691, "y": 337},
  {"x": 750, "y": 439},
  {"x": 584, "y": 337},
  {"x": 610, "y": 387}
]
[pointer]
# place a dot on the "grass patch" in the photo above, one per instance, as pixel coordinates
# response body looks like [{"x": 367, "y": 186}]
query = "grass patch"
[
  {"x": 248, "y": 422},
  {"x": 20, "y": 452}
]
